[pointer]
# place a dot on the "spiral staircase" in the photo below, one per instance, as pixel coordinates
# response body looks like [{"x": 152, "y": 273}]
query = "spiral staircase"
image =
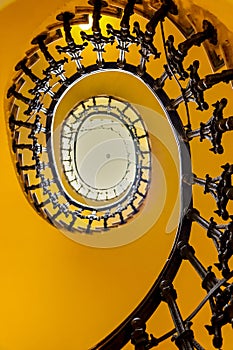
[{"x": 119, "y": 122}]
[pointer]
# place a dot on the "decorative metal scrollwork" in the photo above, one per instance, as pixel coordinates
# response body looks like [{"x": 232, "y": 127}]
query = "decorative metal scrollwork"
[{"x": 54, "y": 174}]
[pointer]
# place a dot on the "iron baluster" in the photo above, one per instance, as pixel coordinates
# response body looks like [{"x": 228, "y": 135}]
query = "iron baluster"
[
  {"x": 222, "y": 315},
  {"x": 196, "y": 87},
  {"x": 36, "y": 127},
  {"x": 175, "y": 57},
  {"x": 55, "y": 67},
  {"x": 222, "y": 236},
  {"x": 42, "y": 85},
  {"x": 34, "y": 105},
  {"x": 145, "y": 40},
  {"x": 215, "y": 127},
  {"x": 139, "y": 337},
  {"x": 184, "y": 338},
  {"x": 187, "y": 252},
  {"x": 97, "y": 39},
  {"x": 123, "y": 37},
  {"x": 72, "y": 49},
  {"x": 220, "y": 188}
]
